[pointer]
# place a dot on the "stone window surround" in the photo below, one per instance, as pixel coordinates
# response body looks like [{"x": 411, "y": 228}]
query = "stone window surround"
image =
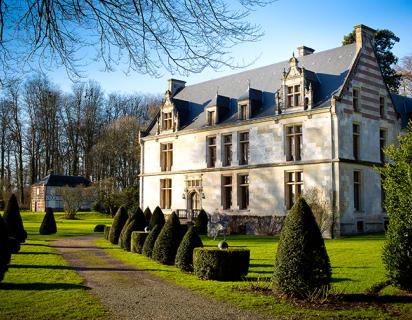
[
  {"x": 383, "y": 138},
  {"x": 243, "y": 148},
  {"x": 225, "y": 186},
  {"x": 357, "y": 207},
  {"x": 165, "y": 193},
  {"x": 356, "y": 99},
  {"x": 227, "y": 149},
  {"x": 243, "y": 196},
  {"x": 289, "y": 155},
  {"x": 166, "y": 156},
  {"x": 356, "y": 142},
  {"x": 296, "y": 184},
  {"x": 211, "y": 151}
]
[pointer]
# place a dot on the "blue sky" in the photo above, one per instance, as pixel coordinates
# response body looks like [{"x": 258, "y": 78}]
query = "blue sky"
[{"x": 319, "y": 24}]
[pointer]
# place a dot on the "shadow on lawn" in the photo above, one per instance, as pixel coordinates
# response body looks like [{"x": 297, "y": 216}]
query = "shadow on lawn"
[
  {"x": 368, "y": 298},
  {"x": 41, "y": 286}
]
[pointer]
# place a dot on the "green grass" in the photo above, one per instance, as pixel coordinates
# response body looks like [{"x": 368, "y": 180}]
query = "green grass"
[
  {"x": 356, "y": 267},
  {"x": 40, "y": 284}
]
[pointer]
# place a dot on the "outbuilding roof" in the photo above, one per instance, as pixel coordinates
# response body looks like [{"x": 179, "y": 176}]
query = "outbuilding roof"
[{"x": 57, "y": 180}]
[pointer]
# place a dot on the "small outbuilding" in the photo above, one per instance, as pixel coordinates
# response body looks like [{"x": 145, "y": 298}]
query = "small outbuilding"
[{"x": 46, "y": 192}]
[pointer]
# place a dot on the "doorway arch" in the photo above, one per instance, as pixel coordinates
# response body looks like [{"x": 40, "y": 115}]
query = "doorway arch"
[{"x": 194, "y": 201}]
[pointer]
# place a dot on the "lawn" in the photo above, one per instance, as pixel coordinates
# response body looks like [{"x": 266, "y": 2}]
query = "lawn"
[{"x": 40, "y": 284}]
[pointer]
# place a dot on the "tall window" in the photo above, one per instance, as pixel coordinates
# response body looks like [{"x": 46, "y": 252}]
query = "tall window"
[
  {"x": 357, "y": 190},
  {"x": 244, "y": 148},
  {"x": 165, "y": 193},
  {"x": 227, "y": 150},
  {"x": 243, "y": 112},
  {"x": 293, "y": 96},
  {"x": 211, "y": 150},
  {"x": 293, "y": 187},
  {"x": 382, "y": 106},
  {"x": 382, "y": 143},
  {"x": 167, "y": 120},
  {"x": 227, "y": 192},
  {"x": 383, "y": 196},
  {"x": 356, "y": 140},
  {"x": 243, "y": 181},
  {"x": 211, "y": 118},
  {"x": 166, "y": 156},
  {"x": 294, "y": 143},
  {"x": 355, "y": 99}
]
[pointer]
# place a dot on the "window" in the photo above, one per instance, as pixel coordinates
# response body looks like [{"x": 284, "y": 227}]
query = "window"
[
  {"x": 166, "y": 156},
  {"x": 357, "y": 190},
  {"x": 37, "y": 191},
  {"x": 356, "y": 140},
  {"x": 243, "y": 112},
  {"x": 293, "y": 96},
  {"x": 211, "y": 120},
  {"x": 355, "y": 99},
  {"x": 244, "y": 148},
  {"x": 383, "y": 195},
  {"x": 382, "y": 144},
  {"x": 382, "y": 106},
  {"x": 243, "y": 181},
  {"x": 227, "y": 150},
  {"x": 211, "y": 151},
  {"x": 165, "y": 193},
  {"x": 167, "y": 120},
  {"x": 293, "y": 188},
  {"x": 227, "y": 192},
  {"x": 360, "y": 226},
  {"x": 294, "y": 143}
]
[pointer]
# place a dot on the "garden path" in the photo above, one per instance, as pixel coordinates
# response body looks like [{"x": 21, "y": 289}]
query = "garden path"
[{"x": 129, "y": 293}]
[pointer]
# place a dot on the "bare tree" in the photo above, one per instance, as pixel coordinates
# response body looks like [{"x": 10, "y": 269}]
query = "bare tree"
[
  {"x": 405, "y": 70},
  {"x": 74, "y": 199},
  {"x": 182, "y": 35}
]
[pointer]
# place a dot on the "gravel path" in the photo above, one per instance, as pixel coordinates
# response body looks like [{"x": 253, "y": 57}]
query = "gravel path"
[{"x": 133, "y": 294}]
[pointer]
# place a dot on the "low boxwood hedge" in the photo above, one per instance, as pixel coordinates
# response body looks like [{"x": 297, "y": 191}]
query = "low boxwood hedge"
[
  {"x": 137, "y": 241},
  {"x": 224, "y": 265}
]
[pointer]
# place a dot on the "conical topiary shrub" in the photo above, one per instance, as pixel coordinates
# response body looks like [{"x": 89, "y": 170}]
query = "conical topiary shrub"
[
  {"x": 201, "y": 222},
  {"x": 184, "y": 255},
  {"x": 13, "y": 220},
  {"x": 138, "y": 223},
  {"x": 165, "y": 248},
  {"x": 137, "y": 241},
  {"x": 118, "y": 222},
  {"x": 158, "y": 218},
  {"x": 130, "y": 217},
  {"x": 302, "y": 264},
  {"x": 150, "y": 241},
  {"x": 5, "y": 254},
  {"x": 148, "y": 215},
  {"x": 48, "y": 226}
]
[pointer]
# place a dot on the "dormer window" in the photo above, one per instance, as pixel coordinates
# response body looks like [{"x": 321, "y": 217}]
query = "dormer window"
[
  {"x": 211, "y": 118},
  {"x": 293, "y": 96},
  {"x": 167, "y": 121},
  {"x": 243, "y": 112}
]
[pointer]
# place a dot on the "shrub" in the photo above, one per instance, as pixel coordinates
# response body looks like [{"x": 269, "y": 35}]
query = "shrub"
[
  {"x": 5, "y": 254},
  {"x": 302, "y": 264},
  {"x": 201, "y": 222},
  {"x": 48, "y": 226},
  {"x": 118, "y": 222},
  {"x": 137, "y": 241},
  {"x": 148, "y": 215},
  {"x": 165, "y": 248},
  {"x": 137, "y": 223},
  {"x": 157, "y": 218},
  {"x": 150, "y": 241},
  {"x": 224, "y": 265},
  {"x": 97, "y": 206},
  {"x": 13, "y": 220},
  {"x": 397, "y": 184},
  {"x": 106, "y": 232},
  {"x": 184, "y": 255},
  {"x": 99, "y": 228}
]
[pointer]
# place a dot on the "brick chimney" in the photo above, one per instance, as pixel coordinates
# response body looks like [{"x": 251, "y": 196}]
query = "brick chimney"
[
  {"x": 365, "y": 36},
  {"x": 174, "y": 85},
  {"x": 304, "y": 51}
]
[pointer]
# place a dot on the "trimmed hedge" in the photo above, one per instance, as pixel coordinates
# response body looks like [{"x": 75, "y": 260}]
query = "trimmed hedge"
[
  {"x": 223, "y": 265},
  {"x": 137, "y": 223},
  {"x": 147, "y": 215},
  {"x": 137, "y": 241},
  {"x": 150, "y": 241},
  {"x": 158, "y": 218},
  {"x": 184, "y": 255},
  {"x": 201, "y": 222},
  {"x": 118, "y": 222},
  {"x": 106, "y": 232},
  {"x": 13, "y": 220},
  {"x": 99, "y": 228},
  {"x": 48, "y": 225},
  {"x": 302, "y": 264}
]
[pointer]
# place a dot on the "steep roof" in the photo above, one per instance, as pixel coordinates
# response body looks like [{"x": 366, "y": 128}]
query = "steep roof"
[
  {"x": 403, "y": 106},
  {"x": 56, "y": 180},
  {"x": 328, "y": 67}
]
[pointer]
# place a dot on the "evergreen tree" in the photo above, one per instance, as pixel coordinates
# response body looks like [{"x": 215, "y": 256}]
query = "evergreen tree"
[
  {"x": 184, "y": 255},
  {"x": 138, "y": 223},
  {"x": 148, "y": 215},
  {"x": 13, "y": 220},
  {"x": 150, "y": 241},
  {"x": 165, "y": 247},
  {"x": 118, "y": 222},
  {"x": 157, "y": 218},
  {"x": 302, "y": 264},
  {"x": 48, "y": 226},
  {"x": 201, "y": 222},
  {"x": 5, "y": 254},
  {"x": 397, "y": 185}
]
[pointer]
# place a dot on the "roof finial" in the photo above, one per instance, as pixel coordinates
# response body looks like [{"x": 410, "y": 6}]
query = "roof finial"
[{"x": 248, "y": 84}]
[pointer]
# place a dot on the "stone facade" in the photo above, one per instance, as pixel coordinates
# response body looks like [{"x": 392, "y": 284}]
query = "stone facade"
[{"x": 317, "y": 105}]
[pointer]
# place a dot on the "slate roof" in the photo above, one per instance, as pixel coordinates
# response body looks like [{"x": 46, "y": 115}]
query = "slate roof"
[
  {"x": 328, "y": 67},
  {"x": 56, "y": 180},
  {"x": 403, "y": 106}
]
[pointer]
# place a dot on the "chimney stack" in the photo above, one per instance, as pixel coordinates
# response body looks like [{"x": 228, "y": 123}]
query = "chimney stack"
[
  {"x": 304, "y": 51},
  {"x": 365, "y": 36},
  {"x": 174, "y": 86}
]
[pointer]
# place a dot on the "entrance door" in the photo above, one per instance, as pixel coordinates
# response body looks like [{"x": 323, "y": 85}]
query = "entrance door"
[{"x": 194, "y": 201}]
